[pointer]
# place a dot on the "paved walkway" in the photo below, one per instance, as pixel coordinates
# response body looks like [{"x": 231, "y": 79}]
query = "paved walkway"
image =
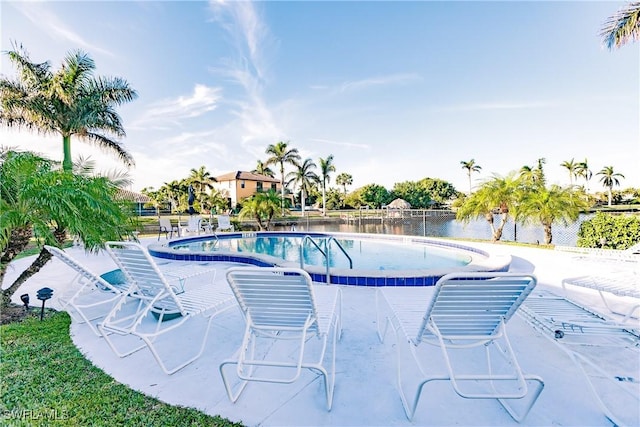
[{"x": 365, "y": 393}]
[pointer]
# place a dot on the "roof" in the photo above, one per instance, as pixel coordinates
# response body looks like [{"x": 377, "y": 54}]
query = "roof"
[
  {"x": 247, "y": 176},
  {"x": 400, "y": 203},
  {"x": 132, "y": 196}
]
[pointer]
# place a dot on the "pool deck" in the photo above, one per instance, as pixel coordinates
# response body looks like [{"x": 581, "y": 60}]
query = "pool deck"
[{"x": 365, "y": 393}]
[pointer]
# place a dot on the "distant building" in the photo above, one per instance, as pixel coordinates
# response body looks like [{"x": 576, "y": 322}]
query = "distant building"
[
  {"x": 239, "y": 185},
  {"x": 138, "y": 200}
]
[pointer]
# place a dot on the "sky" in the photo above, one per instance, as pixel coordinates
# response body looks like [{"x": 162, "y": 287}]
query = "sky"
[{"x": 395, "y": 91}]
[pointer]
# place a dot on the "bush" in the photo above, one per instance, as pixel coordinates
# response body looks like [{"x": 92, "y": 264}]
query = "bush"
[{"x": 609, "y": 231}]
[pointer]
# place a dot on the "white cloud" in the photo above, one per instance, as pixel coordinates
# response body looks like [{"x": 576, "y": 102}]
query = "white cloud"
[
  {"x": 172, "y": 111},
  {"x": 378, "y": 81},
  {"x": 46, "y": 20},
  {"x": 249, "y": 36}
]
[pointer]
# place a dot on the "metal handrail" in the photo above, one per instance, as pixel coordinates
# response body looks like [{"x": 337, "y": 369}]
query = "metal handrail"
[
  {"x": 304, "y": 239},
  {"x": 330, "y": 239},
  {"x": 324, "y": 253}
]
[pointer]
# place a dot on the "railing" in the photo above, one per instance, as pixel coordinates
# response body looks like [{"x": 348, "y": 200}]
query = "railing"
[
  {"x": 329, "y": 240},
  {"x": 325, "y": 253}
]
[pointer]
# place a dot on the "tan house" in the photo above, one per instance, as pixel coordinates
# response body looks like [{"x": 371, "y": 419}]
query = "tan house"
[{"x": 239, "y": 185}]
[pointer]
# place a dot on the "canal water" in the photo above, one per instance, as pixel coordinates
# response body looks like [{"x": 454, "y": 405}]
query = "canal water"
[{"x": 447, "y": 226}]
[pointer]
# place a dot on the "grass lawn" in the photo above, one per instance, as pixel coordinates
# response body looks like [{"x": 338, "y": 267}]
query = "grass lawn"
[{"x": 45, "y": 380}]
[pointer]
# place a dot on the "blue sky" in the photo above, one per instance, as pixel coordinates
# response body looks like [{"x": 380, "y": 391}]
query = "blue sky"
[{"x": 396, "y": 91}]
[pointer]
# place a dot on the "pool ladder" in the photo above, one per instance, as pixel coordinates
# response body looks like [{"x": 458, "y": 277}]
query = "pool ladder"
[{"x": 326, "y": 253}]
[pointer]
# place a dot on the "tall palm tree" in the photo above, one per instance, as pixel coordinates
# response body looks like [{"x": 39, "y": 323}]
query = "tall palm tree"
[
  {"x": 533, "y": 176},
  {"x": 280, "y": 153},
  {"x": 69, "y": 102},
  {"x": 622, "y": 27},
  {"x": 202, "y": 180},
  {"x": 582, "y": 170},
  {"x": 263, "y": 169},
  {"x": 303, "y": 177},
  {"x": 470, "y": 166},
  {"x": 572, "y": 168},
  {"x": 326, "y": 167},
  {"x": 344, "y": 179},
  {"x": 609, "y": 179},
  {"x": 38, "y": 201},
  {"x": 550, "y": 205}
]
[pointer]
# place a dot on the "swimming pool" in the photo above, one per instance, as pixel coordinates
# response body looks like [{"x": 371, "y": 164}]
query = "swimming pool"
[{"x": 373, "y": 259}]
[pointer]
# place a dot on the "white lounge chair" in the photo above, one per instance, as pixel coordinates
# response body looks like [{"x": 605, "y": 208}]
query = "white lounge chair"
[
  {"x": 465, "y": 315},
  {"x": 224, "y": 223},
  {"x": 607, "y": 354},
  {"x": 280, "y": 305},
  {"x": 617, "y": 290},
  {"x": 164, "y": 302},
  {"x": 193, "y": 226},
  {"x": 167, "y": 228},
  {"x": 95, "y": 295}
]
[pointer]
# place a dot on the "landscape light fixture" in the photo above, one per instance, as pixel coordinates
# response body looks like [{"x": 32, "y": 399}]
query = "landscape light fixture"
[
  {"x": 25, "y": 300},
  {"x": 43, "y": 295}
]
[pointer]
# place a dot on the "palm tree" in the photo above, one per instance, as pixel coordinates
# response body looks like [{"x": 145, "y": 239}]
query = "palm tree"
[
  {"x": 326, "y": 167},
  {"x": 263, "y": 169},
  {"x": 262, "y": 207},
  {"x": 572, "y": 167},
  {"x": 497, "y": 193},
  {"x": 303, "y": 177},
  {"x": 280, "y": 154},
  {"x": 582, "y": 170},
  {"x": 470, "y": 166},
  {"x": 68, "y": 102},
  {"x": 344, "y": 179},
  {"x": 533, "y": 176},
  {"x": 548, "y": 206},
  {"x": 202, "y": 180},
  {"x": 42, "y": 202},
  {"x": 622, "y": 27},
  {"x": 609, "y": 179}
]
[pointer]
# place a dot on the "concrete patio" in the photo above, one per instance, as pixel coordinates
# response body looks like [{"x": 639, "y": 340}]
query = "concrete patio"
[{"x": 365, "y": 393}]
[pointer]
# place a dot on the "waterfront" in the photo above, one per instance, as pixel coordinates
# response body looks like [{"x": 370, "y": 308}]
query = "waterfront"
[{"x": 445, "y": 226}]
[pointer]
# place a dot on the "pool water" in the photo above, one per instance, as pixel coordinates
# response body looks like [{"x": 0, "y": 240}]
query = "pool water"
[{"x": 366, "y": 254}]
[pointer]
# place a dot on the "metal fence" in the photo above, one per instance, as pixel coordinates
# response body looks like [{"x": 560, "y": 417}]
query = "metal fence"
[{"x": 442, "y": 223}]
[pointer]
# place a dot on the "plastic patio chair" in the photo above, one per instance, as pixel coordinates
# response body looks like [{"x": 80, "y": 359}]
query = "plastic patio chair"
[
  {"x": 465, "y": 315},
  {"x": 164, "y": 303},
  {"x": 280, "y": 305}
]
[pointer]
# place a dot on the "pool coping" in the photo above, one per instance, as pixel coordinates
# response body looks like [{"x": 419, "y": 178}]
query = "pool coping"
[{"x": 483, "y": 261}]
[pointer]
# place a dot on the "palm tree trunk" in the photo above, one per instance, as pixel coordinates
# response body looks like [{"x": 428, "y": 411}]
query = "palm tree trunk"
[
  {"x": 18, "y": 241},
  {"x": 324, "y": 200},
  {"x": 67, "y": 162},
  {"x": 548, "y": 236},
  {"x": 35, "y": 266}
]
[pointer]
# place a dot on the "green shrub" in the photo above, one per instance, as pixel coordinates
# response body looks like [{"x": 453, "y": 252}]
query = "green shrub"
[{"x": 609, "y": 231}]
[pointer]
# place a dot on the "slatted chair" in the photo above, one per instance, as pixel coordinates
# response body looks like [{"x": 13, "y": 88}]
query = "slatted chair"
[
  {"x": 163, "y": 302},
  {"x": 224, "y": 223},
  {"x": 606, "y": 353},
  {"x": 281, "y": 304},
  {"x": 95, "y": 295},
  {"x": 464, "y": 313},
  {"x": 193, "y": 227},
  {"x": 612, "y": 288},
  {"x": 166, "y": 228}
]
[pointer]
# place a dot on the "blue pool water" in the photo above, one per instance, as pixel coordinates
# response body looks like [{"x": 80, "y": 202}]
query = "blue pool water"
[
  {"x": 376, "y": 260},
  {"x": 366, "y": 254}
]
